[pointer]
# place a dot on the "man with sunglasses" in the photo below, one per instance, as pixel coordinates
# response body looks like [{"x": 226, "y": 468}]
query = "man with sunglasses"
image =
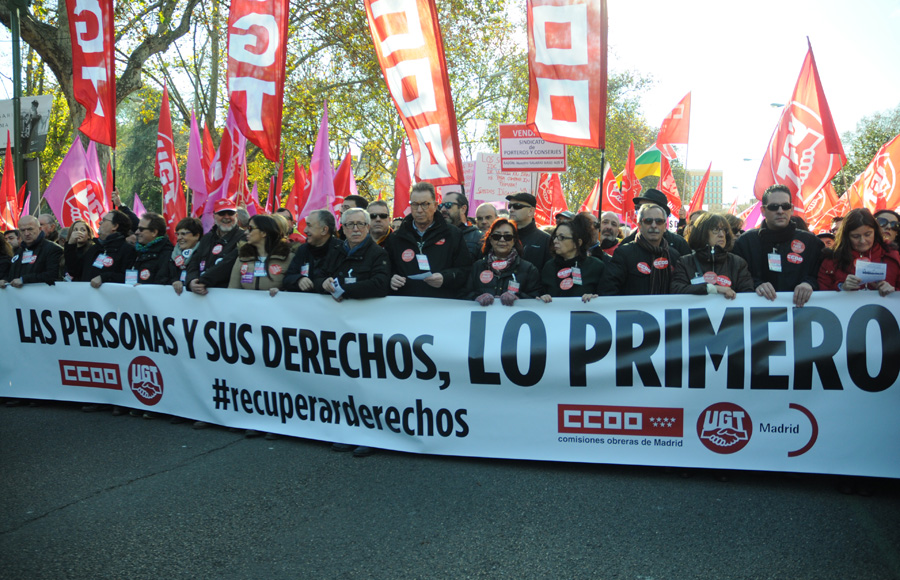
[
  {"x": 781, "y": 257},
  {"x": 657, "y": 197},
  {"x": 889, "y": 222},
  {"x": 212, "y": 261},
  {"x": 535, "y": 243},
  {"x": 428, "y": 256},
  {"x": 455, "y": 209},
  {"x": 380, "y": 228},
  {"x": 646, "y": 265},
  {"x": 153, "y": 252}
]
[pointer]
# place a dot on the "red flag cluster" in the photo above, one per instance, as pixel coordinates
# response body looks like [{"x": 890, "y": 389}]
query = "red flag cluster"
[{"x": 166, "y": 169}]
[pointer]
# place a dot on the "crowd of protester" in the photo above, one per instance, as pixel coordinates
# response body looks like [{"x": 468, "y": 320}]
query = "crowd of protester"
[{"x": 436, "y": 252}]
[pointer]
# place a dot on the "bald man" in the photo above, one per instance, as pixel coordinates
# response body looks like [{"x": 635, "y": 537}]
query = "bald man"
[{"x": 36, "y": 260}]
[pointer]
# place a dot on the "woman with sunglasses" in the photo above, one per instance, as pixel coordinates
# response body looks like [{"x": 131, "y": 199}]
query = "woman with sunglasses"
[
  {"x": 889, "y": 222},
  {"x": 859, "y": 241},
  {"x": 711, "y": 268},
  {"x": 571, "y": 271},
  {"x": 502, "y": 272},
  {"x": 262, "y": 262}
]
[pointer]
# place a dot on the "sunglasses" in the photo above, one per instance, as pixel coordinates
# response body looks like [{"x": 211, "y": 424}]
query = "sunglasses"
[
  {"x": 504, "y": 237},
  {"x": 888, "y": 224},
  {"x": 563, "y": 238},
  {"x": 447, "y": 204},
  {"x": 776, "y": 206},
  {"x": 379, "y": 216},
  {"x": 227, "y": 212},
  {"x": 518, "y": 206},
  {"x": 651, "y": 221},
  {"x": 139, "y": 229}
]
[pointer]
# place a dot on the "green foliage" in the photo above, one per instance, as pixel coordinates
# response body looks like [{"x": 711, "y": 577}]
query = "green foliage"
[{"x": 862, "y": 144}]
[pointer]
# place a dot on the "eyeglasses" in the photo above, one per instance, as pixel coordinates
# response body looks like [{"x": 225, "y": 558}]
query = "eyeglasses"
[
  {"x": 775, "y": 206},
  {"x": 182, "y": 233},
  {"x": 503, "y": 237},
  {"x": 447, "y": 204},
  {"x": 251, "y": 228},
  {"x": 139, "y": 229},
  {"x": 562, "y": 238},
  {"x": 518, "y": 206},
  {"x": 226, "y": 212},
  {"x": 423, "y": 205},
  {"x": 651, "y": 221},
  {"x": 355, "y": 225},
  {"x": 379, "y": 216},
  {"x": 888, "y": 224},
  {"x": 737, "y": 232},
  {"x": 718, "y": 231}
]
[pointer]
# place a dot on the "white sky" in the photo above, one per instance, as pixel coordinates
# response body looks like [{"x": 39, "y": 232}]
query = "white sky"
[{"x": 739, "y": 58}]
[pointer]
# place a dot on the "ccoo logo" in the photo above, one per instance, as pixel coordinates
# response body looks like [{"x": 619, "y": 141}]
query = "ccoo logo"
[
  {"x": 724, "y": 428},
  {"x": 146, "y": 381}
]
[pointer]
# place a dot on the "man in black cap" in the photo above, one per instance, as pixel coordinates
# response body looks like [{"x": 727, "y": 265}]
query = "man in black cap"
[
  {"x": 659, "y": 198},
  {"x": 535, "y": 243}
]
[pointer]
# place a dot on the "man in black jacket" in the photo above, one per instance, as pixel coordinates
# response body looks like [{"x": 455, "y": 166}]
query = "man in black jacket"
[
  {"x": 210, "y": 266},
  {"x": 153, "y": 251},
  {"x": 428, "y": 256},
  {"x": 455, "y": 209},
  {"x": 535, "y": 243},
  {"x": 320, "y": 242},
  {"x": 781, "y": 257},
  {"x": 108, "y": 259},
  {"x": 657, "y": 197},
  {"x": 36, "y": 260},
  {"x": 646, "y": 265}
]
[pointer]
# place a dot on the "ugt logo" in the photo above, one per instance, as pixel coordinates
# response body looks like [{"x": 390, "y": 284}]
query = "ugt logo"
[
  {"x": 146, "y": 380},
  {"x": 724, "y": 428}
]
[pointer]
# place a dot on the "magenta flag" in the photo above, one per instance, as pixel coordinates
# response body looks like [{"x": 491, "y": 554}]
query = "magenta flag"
[
  {"x": 26, "y": 205},
  {"x": 194, "y": 175},
  {"x": 321, "y": 195},
  {"x": 254, "y": 201},
  {"x": 138, "y": 208},
  {"x": 71, "y": 195},
  {"x": 227, "y": 169},
  {"x": 95, "y": 174}
]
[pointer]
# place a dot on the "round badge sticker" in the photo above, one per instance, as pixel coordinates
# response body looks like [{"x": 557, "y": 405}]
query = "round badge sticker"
[
  {"x": 486, "y": 276},
  {"x": 643, "y": 268},
  {"x": 107, "y": 262},
  {"x": 245, "y": 268},
  {"x": 564, "y": 273},
  {"x": 661, "y": 263},
  {"x": 274, "y": 269},
  {"x": 724, "y": 281},
  {"x": 566, "y": 283},
  {"x": 179, "y": 261},
  {"x": 408, "y": 255},
  {"x": 499, "y": 265},
  {"x": 795, "y": 258},
  {"x": 797, "y": 246},
  {"x": 709, "y": 277},
  {"x": 440, "y": 242},
  {"x": 217, "y": 249},
  {"x": 145, "y": 274}
]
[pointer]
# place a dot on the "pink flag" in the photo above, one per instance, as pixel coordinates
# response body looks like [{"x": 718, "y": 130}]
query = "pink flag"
[
  {"x": 71, "y": 195},
  {"x": 25, "y": 205},
  {"x": 321, "y": 194},
  {"x": 752, "y": 216},
  {"x": 253, "y": 207},
  {"x": 138, "y": 208},
  {"x": 226, "y": 170},
  {"x": 95, "y": 174},
  {"x": 194, "y": 175}
]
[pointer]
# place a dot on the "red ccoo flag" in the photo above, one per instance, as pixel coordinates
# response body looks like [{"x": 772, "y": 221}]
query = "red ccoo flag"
[
  {"x": 92, "y": 32},
  {"x": 675, "y": 128},
  {"x": 805, "y": 151},
  {"x": 166, "y": 169},
  {"x": 697, "y": 199}
]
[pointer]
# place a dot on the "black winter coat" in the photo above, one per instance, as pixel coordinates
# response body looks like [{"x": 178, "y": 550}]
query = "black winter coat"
[
  {"x": 113, "y": 256},
  {"x": 536, "y": 247},
  {"x": 485, "y": 280},
  {"x": 801, "y": 256},
  {"x": 213, "y": 258},
  {"x": 366, "y": 273},
  {"x": 631, "y": 270},
  {"x": 304, "y": 256},
  {"x": 558, "y": 279},
  {"x": 153, "y": 265},
  {"x": 43, "y": 266}
]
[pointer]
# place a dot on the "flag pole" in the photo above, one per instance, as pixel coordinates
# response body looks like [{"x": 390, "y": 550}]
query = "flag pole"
[{"x": 602, "y": 176}]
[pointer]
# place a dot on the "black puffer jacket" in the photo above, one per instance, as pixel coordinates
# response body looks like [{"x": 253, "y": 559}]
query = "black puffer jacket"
[
  {"x": 631, "y": 271},
  {"x": 728, "y": 269},
  {"x": 364, "y": 273},
  {"x": 558, "y": 278},
  {"x": 214, "y": 257},
  {"x": 107, "y": 258},
  {"x": 485, "y": 279},
  {"x": 152, "y": 264}
]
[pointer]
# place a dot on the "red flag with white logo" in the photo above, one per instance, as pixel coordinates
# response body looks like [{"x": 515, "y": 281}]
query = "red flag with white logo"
[
  {"x": 567, "y": 71},
  {"x": 257, "y": 48},
  {"x": 675, "y": 128},
  {"x": 402, "y": 185},
  {"x": 550, "y": 200},
  {"x": 697, "y": 199},
  {"x": 410, "y": 51},
  {"x": 631, "y": 188},
  {"x": 825, "y": 207},
  {"x": 166, "y": 169},
  {"x": 668, "y": 186},
  {"x": 299, "y": 195},
  {"x": 876, "y": 187},
  {"x": 92, "y": 33},
  {"x": 805, "y": 151},
  {"x": 612, "y": 197}
]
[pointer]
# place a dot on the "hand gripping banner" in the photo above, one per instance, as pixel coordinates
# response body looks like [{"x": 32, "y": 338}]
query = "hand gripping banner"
[
  {"x": 94, "y": 66},
  {"x": 567, "y": 71},
  {"x": 407, "y": 39},
  {"x": 257, "y": 48}
]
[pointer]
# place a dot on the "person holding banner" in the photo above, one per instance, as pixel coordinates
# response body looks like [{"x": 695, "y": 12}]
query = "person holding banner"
[
  {"x": 78, "y": 242},
  {"x": 711, "y": 268},
  {"x": 658, "y": 198},
  {"x": 6, "y": 254},
  {"x": 36, "y": 260},
  {"x": 572, "y": 271},
  {"x": 262, "y": 262},
  {"x": 111, "y": 255},
  {"x": 646, "y": 265},
  {"x": 320, "y": 242},
  {"x": 153, "y": 252},
  {"x": 781, "y": 257},
  {"x": 359, "y": 268},
  {"x": 216, "y": 252},
  {"x": 860, "y": 258},
  {"x": 187, "y": 233},
  {"x": 502, "y": 272},
  {"x": 428, "y": 256}
]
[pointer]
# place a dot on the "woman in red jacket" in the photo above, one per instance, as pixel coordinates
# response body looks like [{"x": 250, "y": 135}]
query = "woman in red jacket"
[{"x": 858, "y": 240}]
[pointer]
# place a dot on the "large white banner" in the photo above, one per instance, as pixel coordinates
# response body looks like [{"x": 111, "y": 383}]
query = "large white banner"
[{"x": 681, "y": 381}]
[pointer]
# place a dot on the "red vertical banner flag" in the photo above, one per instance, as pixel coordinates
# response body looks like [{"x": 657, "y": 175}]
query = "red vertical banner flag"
[
  {"x": 805, "y": 151},
  {"x": 410, "y": 51},
  {"x": 166, "y": 169},
  {"x": 631, "y": 188},
  {"x": 612, "y": 196},
  {"x": 257, "y": 50},
  {"x": 550, "y": 200},
  {"x": 675, "y": 128},
  {"x": 9, "y": 202},
  {"x": 697, "y": 199},
  {"x": 877, "y": 187},
  {"x": 567, "y": 71},
  {"x": 92, "y": 32},
  {"x": 668, "y": 186},
  {"x": 402, "y": 185}
]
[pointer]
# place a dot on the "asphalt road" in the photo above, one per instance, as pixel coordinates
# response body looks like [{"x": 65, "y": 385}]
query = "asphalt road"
[{"x": 96, "y": 496}]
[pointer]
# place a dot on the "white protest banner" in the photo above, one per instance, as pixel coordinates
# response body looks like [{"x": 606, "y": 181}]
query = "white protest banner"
[
  {"x": 680, "y": 381},
  {"x": 491, "y": 185}
]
